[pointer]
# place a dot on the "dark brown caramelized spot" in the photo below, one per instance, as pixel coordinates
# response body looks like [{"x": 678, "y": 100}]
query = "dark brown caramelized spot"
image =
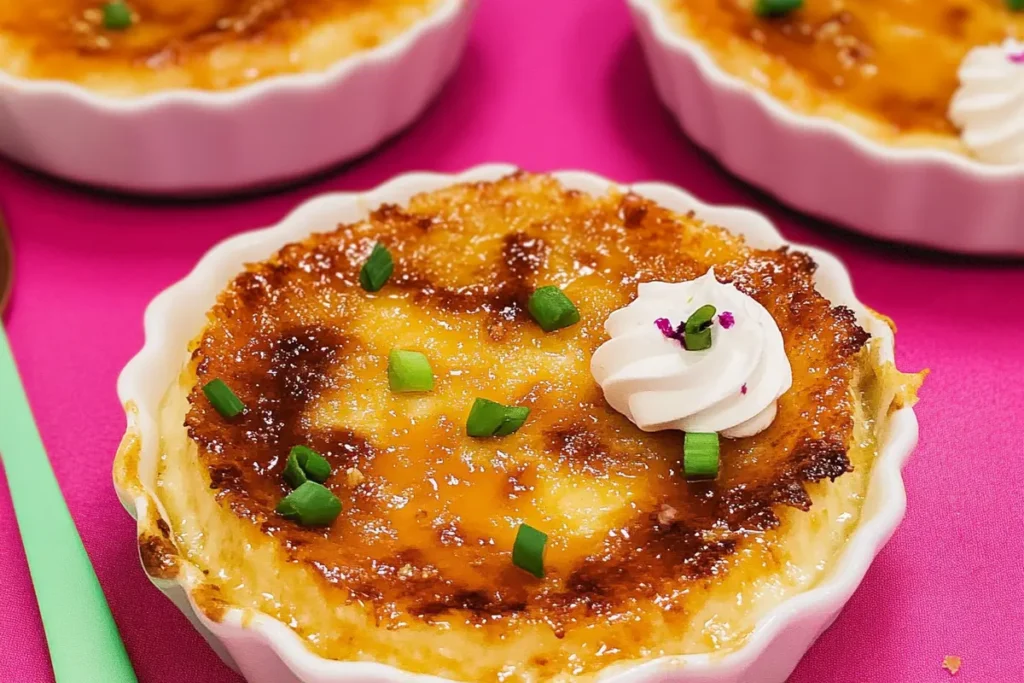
[
  {"x": 158, "y": 553},
  {"x": 428, "y": 530},
  {"x": 896, "y": 61}
]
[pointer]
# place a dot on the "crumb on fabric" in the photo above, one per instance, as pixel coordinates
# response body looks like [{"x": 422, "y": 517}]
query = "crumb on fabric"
[{"x": 951, "y": 663}]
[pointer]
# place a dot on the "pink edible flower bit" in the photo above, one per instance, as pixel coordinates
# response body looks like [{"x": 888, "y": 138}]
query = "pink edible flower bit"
[
  {"x": 1016, "y": 57},
  {"x": 743, "y": 390},
  {"x": 726, "y": 319},
  {"x": 664, "y": 325}
]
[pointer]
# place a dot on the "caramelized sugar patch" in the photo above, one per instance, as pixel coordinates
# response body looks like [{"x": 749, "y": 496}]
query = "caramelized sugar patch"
[
  {"x": 896, "y": 61},
  {"x": 207, "y": 44},
  {"x": 427, "y": 528}
]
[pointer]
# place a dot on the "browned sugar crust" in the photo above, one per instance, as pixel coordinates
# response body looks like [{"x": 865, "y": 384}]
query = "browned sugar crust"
[
  {"x": 67, "y": 39},
  {"x": 426, "y": 531}
]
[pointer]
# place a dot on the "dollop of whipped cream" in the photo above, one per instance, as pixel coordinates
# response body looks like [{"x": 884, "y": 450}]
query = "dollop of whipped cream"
[
  {"x": 988, "y": 107},
  {"x": 731, "y": 388}
]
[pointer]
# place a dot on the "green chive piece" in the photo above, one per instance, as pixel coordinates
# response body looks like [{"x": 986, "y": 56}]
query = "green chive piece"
[
  {"x": 515, "y": 416},
  {"x": 311, "y": 504},
  {"x": 697, "y": 329},
  {"x": 700, "y": 455},
  {"x": 528, "y": 550},
  {"x": 116, "y": 16},
  {"x": 305, "y": 464},
  {"x": 485, "y": 418},
  {"x": 409, "y": 371},
  {"x": 313, "y": 464},
  {"x": 293, "y": 472},
  {"x": 222, "y": 398},
  {"x": 377, "y": 269},
  {"x": 777, "y": 8},
  {"x": 1015, "y": 5},
  {"x": 552, "y": 309},
  {"x": 490, "y": 418}
]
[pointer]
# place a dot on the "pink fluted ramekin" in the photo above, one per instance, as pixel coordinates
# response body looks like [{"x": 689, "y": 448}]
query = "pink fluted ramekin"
[
  {"x": 925, "y": 196},
  {"x": 196, "y": 142},
  {"x": 264, "y": 650}
]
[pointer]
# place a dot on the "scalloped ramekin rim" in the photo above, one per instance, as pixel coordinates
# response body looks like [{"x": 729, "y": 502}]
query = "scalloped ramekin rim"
[
  {"x": 671, "y": 38},
  {"x": 886, "y": 489},
  {"x": 244, "y": 94}
]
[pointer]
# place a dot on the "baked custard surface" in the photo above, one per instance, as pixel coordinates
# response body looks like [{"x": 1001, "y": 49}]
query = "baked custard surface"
[
  {"x": 193, "y": 44},
  {"x": 417, "y": 571},
  {"x": 885, "y": 67}
]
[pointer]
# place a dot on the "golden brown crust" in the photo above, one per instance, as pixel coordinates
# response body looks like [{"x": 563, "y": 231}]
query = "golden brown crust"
[
  {"x": 126, "y": 462},
  {"x": 895, "y": 62},
  {"x": 296, "y": 338},
  {"x": 208, "y": 598},
  {"x": 158, "y": 553},
  {"x": 66, "y": 39}
]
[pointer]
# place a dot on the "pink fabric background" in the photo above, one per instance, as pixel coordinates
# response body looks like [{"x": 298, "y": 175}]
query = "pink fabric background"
[{"x": 545, "y": 85}]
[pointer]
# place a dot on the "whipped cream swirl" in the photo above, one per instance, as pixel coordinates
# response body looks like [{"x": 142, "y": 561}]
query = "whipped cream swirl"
[
  {"x": 650, "y": 377},
  {"x": 989, "y": 105}
]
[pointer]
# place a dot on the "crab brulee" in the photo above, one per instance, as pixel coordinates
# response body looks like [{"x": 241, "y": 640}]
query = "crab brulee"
[
  {"x": 512, "y": 431},
  {"x": 936, "y": 73},
  {"x": 133, "y": 47}
]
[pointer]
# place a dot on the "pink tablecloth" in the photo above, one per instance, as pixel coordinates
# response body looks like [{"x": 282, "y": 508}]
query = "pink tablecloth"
[{"x": 545, "y": 85}]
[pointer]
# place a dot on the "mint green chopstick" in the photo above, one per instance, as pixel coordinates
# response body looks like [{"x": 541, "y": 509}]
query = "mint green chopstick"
[{"x": 84, "y": 643}]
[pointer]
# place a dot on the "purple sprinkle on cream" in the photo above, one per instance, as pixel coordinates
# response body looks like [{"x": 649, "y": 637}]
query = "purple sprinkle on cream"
[
  {"x": 1016, "y": 57},
  {"x": 743, "y": 389},
  {"x": 665, "y": 327},
  {"x": 726, "y": 320}
]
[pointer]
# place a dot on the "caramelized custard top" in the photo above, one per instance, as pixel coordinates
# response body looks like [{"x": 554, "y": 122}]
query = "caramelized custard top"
[
  {"x": 207, "y": 44},
  {"x": 430, "y": 514},
  {"x": 893, "y": 60}
]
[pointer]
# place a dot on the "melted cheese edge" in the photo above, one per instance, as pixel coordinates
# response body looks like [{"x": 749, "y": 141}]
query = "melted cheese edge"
[{"x": 252, "y": 572}]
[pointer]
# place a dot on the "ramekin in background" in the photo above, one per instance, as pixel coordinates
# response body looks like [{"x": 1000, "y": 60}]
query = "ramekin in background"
[
  {"x": 195, "y": 142},
  {"x": 264, "y": 650},
  {"x": 928, "y": 197}
]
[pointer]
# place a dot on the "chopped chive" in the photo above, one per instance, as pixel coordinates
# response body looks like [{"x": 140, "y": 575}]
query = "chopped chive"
[
  {"x": 776, "y": 8},
  {"x": 700, "y": 455},
  {"x": 377, "y": 269},
  {"x": 222, "y": 398},
  {"x": 528, "y": 550},
  {"x": 305, "y": 464},
  {"x": 311, "y": 504},
  {"x": 552, "y": 309},
  {"x": 293, "y": 472},
  {"x": 697, "y": 328},
  {"x": 485, "y": 418},
  {"x": 409, "y": 371},
  {"x": 1015, "y": 5},
  {"x": 490, "y": 418},
  {"x": 116, "y": 16},
  {"x": 515, "y": 416},
  {"x": 315, "y": 465}
]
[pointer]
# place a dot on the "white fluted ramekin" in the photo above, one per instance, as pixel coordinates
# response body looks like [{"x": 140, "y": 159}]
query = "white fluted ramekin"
[
  {"x": 264, "y": 650},
  {"x": 916, "y": 195},
  {"x": 196, "y": 142}
]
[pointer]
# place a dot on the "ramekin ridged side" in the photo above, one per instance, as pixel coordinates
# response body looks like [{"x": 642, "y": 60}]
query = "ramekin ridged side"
[
  {"x": 923, "y": 196},
  {"x": 194, "y": 142},
  {"x": 266, "y": 651}
]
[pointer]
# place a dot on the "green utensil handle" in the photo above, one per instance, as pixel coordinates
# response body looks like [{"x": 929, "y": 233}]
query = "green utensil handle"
[{"x": 84, "y": 643}]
